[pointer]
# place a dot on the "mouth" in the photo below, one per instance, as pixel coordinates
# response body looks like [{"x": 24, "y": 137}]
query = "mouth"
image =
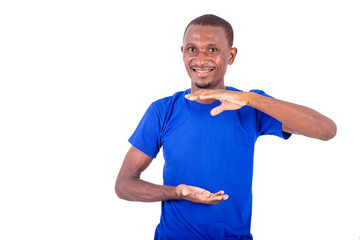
[{"x": 202, "y": 71}]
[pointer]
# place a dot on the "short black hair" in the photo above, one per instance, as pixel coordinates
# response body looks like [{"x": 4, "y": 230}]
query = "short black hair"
[{"x": 214, "y": 21}]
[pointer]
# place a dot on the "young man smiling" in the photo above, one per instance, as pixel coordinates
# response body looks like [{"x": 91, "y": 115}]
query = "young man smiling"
[
  {"x": 206, "y": 54},
  {"x": 207, "y": 153}
]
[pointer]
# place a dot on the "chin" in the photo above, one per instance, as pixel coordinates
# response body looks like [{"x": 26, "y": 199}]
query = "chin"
[{"x": 203, "y": 84}]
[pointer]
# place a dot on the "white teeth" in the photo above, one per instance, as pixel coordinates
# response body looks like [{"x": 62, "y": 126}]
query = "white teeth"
[{"x": 202, "y": 70}]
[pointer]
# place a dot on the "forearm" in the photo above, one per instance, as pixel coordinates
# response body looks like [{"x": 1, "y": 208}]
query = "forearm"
[
  {"x": 299, "y": 119},
  {"x": 135, "y": 189}
]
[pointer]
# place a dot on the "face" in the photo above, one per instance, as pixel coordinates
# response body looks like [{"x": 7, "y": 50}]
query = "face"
[{"x": 206, "y": 54}]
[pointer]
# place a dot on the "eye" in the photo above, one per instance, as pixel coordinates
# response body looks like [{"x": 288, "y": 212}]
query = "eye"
[
  {"x": 213, "y": 50},
  {"x": 191, "y": 49}
]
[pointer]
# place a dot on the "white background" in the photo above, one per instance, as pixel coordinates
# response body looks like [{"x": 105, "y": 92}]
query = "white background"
[{"x": 77, "y": 76}]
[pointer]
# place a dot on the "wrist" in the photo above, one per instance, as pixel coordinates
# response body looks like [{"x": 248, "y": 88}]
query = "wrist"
[
  {"x": 251, "y": 99},
  {"x": 178, "y": 190}
]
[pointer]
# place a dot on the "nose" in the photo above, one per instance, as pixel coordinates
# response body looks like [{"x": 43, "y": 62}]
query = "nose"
[{"x": 202, "y": 58}]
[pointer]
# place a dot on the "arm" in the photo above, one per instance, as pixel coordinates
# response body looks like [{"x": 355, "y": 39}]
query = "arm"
[
  {"x": 294, "y": 118},
  {"x": 130, "y": 187}
]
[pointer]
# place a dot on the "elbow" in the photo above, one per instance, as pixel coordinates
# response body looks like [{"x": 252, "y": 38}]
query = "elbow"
[
  {"x": 118, "y": 191},
  {"x": 329, "y": 131},
  {"x": 119, "y": 188}
]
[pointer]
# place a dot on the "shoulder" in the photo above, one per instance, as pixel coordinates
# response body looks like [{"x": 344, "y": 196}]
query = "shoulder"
[
  {"x": 233, "y": 89},
  {"x": 167, "y": 100},
  {"x": 260, "y": 92},
  {"x": 164, "y": 104}
]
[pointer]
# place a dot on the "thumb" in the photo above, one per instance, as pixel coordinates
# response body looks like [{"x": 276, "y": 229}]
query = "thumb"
[
  {"x": 217, "y": 110},
  {"x": 185, "y": 192}
]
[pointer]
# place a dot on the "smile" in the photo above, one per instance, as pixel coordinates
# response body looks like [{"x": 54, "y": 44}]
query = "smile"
[{"x": 202, "y": 72}]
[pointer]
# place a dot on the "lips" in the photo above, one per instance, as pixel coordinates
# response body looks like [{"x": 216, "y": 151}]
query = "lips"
[{"x": 202, "y": 71}]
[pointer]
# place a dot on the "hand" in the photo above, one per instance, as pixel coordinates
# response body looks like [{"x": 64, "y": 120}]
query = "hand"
[
  {"x": 199, "y": 195},
  {"x": 230, "y": 100}
]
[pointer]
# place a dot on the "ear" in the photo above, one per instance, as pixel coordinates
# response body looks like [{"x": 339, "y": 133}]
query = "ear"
[
  {"x": 232, "y": 53},
  {"x": 182, "y": 49}
]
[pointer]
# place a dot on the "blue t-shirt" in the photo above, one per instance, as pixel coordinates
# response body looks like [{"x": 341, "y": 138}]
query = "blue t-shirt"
[{"x": 211, "y": 152}]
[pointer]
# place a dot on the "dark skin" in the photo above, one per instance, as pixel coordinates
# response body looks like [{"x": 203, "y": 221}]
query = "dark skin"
[
  {"x": 206, "y": 55},
  {"x": 130, "y": 187}
]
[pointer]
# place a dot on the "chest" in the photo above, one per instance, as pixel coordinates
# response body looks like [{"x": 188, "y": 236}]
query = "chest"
[{"x": 196, "y": 129}]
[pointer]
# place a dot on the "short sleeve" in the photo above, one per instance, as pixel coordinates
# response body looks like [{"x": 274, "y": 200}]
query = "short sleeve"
[
  {"x": 267, "y": 125},
  {"x": 146, "y": 136}
]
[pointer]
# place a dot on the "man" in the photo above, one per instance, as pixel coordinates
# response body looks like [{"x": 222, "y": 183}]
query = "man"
[{"x": 208, "y": 134}]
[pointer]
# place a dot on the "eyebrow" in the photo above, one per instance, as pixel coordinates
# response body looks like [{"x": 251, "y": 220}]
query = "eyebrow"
[{"x": 209, "y": 45}]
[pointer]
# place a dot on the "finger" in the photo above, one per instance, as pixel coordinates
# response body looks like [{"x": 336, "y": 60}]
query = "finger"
[
  {"x": 191, "y": 97},
  {"x": 223, "y": 197},
  {"x": 193, "y": 94},
  {"x": 211, "y": 96},
  {"x": 217, "y": 110},
  {"x": 219, "y": 199},
  {"x": 198, "y": 94},
  {"x": 210, "y": 200},
  {"x": 219, "y": 193}
]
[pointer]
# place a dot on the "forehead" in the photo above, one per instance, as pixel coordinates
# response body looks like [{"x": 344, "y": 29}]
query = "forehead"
[{"x": 198, "y": 34}]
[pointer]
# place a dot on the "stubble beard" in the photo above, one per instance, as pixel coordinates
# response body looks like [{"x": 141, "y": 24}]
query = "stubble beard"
[{"x": 203, "y": 86}]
